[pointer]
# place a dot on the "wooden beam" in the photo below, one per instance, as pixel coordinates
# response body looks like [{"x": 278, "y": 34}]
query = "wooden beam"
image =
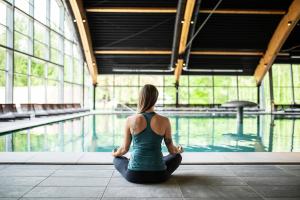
[
  {"x": 173, "y": 10},
  {"x": 189, "y": 8},
  {"x": 130, "y": 10},
  {"x": 166, "y": 52},
  {"x": 244, "y": 12},
  {"x": 283, "y": 30},
  {"x": 228, "y": 53},
  {"x": 132, "y": 52},
  {"x": 85, "y": 36}
]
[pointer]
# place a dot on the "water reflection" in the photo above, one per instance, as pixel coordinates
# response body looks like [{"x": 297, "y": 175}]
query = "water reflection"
[{"x": 101, "y": 133}]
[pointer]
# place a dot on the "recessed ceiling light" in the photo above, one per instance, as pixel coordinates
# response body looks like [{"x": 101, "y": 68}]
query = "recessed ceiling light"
[
  {"x": 83, "y": 20},
  {"x": 290, "y": 23},
  {"x": 74, "y": 20}
]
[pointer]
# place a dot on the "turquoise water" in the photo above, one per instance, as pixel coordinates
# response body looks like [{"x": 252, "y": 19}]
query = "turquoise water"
[{"x": 101, "y": 133}]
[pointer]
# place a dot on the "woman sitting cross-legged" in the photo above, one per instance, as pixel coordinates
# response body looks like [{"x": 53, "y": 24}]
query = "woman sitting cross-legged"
[{"x": 147, "y": 130}]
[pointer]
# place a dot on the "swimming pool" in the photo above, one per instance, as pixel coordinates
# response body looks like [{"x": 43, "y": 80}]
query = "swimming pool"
[{"x": 102, "y": 133}]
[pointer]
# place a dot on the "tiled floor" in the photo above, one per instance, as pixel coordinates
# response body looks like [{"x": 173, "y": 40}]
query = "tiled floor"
[{"x": 208, "y": 182}]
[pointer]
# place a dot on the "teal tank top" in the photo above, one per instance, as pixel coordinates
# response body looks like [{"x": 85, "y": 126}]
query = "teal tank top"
[{"x": 146, "y": 152}]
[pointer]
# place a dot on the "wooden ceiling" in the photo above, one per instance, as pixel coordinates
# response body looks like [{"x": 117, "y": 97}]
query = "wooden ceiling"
[{"x": 151, "y": 36}]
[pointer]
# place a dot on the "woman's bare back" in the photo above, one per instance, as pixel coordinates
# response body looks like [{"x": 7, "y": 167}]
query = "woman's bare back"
[{"x": 137, "y": 124}]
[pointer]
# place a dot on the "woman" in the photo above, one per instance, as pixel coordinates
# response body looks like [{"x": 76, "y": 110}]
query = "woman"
[{"x": 147, "y": 129}]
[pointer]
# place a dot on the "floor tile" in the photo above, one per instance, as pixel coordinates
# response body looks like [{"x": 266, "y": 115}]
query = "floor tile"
[
  {"x": 85, "y": 173},
  {"x": 210, "y": 180},
  {"x": 21, "y": 181},
  {"x": 55, "y": 157},
  {"x": 278, "y": 191},
  {"x": 75, "y": 181},
  {"x": 261, "y": 172},
  {"x": 141, "y": 198},
  {"x": 272, "y": 181},
  {"x": 38, "y": 198},
  {"x": 122, "y": 182},
  {"x": 87, "y": 167},
  {"x": 66, "y": 192},
  {"x": 211, "y": 192},
  {"x": 13, "y": 191},
  {"x": 34, "y": 167},
  {"x": 146, "y": 191},
  {"x": 207, "y": 172},
  {"x": 25, "y": 172}
]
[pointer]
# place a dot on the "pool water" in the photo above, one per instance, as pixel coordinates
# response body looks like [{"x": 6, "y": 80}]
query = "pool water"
[{"x": 102, "y": 133}]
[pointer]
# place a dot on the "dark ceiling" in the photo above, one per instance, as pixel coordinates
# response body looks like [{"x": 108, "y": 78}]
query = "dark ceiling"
[{"x": 155, "y": 31}]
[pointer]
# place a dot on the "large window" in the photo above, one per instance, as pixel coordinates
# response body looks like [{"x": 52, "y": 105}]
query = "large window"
[
  {"x": 286, "y": 83},
  {"x": 193, "y": 90},
  {"x": 45, "y": 64}
]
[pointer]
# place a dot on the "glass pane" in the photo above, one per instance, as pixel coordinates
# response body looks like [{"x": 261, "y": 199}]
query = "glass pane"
[
  {"x": 68, "y": 93},
  {"x": 281, "y": 75},
  {"x": 224, "y": 94},
  {"x": 20, "y": 88},
  {"x": 53, "y": 91},
  {"x": 225, "y": 80},
  {"x": 248, "y": 94},
  {"x": 40, "y": 33},
  {"x": 23, "y": 5},
  {"x": 56, "y": 56},
  {"x": 169, "y": 95},
  {"x": 104, "y": 95},
  {"x": 68, "y": 69},
  {"x": 68, "y": 31},
  {"x": 2, "y": 58},
  {"x": 283, "y": 95},
  {"x": 297, "y": 95},
  {"x": 246, "y": 81},
  {"x": 77, "y": 94},
  {"x": 53, "y": 72},
  {"x": 21, "y": 42},
  {"x": 56, "y": 41},
  {"x": 40, "y": 7},
  {"x": 21, "y": 63},
  {"x": 296, "y": 75},
  {"x": 55, "y": 13},
  {"x": 200, "y": 95},
  {"x": 106, "y": 80},
  {"x": 77, "y": 70},
  {"x": 184, "y": 80},
  {"x": 22, "y": 23},
  {"x": 126, "y": 99},
  {"x": 38, "y": 68},
  {"x": 126, "y": 80},
  {"x": 169, "y": 80},
  {"x": 3, "y": 31},
  {"x": 41, "y": 50},
  {"x": 37, "y": 90},
  {"x": 183, "y": 95},
  {"x": 68, "y": 47},
  {"x": 201, "y": 81},
  {"x": 3, "y": 13},
  {"x": 2, "y": 86},
  {"x": 151, "y": 79}
]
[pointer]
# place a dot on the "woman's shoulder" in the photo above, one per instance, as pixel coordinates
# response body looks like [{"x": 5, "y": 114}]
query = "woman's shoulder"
[{"x": 162, "y": 118}]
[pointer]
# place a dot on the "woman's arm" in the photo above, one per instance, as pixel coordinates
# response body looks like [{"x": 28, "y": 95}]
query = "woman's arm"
[
  {"x": 126, "y": 143},
  {"x": 169, "y": 142}
]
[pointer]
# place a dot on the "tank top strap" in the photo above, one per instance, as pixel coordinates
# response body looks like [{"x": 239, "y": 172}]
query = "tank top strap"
[{"x": 148, "y": 116}]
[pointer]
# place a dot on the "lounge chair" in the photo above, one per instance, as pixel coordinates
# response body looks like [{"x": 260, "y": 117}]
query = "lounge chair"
[
  {"x": 11, "y": 109},
  {"x": 5, "y": 116},
  {"x": 39, "y": 110}
]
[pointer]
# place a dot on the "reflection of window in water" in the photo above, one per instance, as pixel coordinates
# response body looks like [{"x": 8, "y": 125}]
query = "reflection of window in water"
[{"x": 194, "y": 133}]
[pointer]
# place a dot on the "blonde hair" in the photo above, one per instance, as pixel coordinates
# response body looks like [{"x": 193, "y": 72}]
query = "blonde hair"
[{"x": 147, "y": 97}]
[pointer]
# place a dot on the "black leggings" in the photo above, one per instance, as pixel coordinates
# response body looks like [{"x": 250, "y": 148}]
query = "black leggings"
[{"x": 172, "y": 162}]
